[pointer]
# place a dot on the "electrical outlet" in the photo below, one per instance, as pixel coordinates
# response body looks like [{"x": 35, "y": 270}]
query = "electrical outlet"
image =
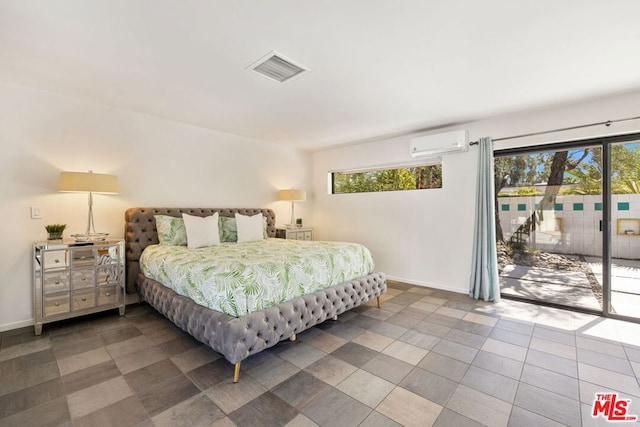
[{"x": 36, "y": 213}]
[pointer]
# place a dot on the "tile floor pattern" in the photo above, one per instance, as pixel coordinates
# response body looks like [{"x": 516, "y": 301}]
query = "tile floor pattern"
[{"x": 427, "y": 357}]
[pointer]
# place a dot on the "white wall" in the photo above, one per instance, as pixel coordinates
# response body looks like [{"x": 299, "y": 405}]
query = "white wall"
[
  {"x": 158, "y": 163},
  {"x": 425, "y": 237}
]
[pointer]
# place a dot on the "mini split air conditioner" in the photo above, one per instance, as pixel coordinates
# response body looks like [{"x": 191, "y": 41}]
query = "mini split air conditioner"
[{"x": 437, "y": 144}]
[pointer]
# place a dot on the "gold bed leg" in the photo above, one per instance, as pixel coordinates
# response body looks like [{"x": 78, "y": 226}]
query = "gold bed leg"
[
  {"x": 335, "y": 317},
  {"x": 236, "y": 373},
  {"x": 378, "y": 301},
  {"x": 292, "y": 337}
]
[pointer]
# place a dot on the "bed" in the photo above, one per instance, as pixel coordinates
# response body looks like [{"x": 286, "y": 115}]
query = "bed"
[{"x": 237, "y": 337}]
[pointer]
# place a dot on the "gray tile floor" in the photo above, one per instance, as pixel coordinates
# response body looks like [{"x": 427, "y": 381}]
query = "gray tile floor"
[{"x": 427, "y": 357}]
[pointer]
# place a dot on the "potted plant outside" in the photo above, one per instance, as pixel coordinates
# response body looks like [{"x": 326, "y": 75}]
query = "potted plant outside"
[{"x": 55, "y": 230}]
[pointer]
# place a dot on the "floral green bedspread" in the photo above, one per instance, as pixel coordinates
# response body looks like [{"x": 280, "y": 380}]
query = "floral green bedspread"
[{"x": 241, "y": 278}]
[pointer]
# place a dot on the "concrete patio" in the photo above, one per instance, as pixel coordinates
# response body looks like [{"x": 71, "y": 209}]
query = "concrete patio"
[
  {"x": 625, "y": 284},
  {"x": 569, "y": 288},
  {"x": 572, "y": 288}
]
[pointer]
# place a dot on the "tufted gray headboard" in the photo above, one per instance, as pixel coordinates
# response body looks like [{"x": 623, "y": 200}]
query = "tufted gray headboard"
[{"x": 140, "y": 231}]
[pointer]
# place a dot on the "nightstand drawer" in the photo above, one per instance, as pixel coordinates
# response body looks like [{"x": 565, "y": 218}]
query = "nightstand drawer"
[
  {"x": 55, "y": 259},
  {"x": 83, "y": 257},
  {"x": 56, "y": 304},
  {"x": 56, "y": 281},
  {"x": 308, "y": 235},
  {"x": 108, "y": 275},
  {"x": 107, "y": 295},
  {"x": 107, "y": 256},
  {"x": 83, "y": 299},
  {"x": 82, "y": 277}
]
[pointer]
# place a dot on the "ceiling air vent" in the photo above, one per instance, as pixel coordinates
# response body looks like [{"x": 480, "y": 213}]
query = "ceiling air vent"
[{"x": 277, "y": 67}]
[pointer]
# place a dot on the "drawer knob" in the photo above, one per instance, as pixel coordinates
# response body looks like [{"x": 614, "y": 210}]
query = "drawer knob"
[
  {"x": 57, "y": 304},
  {"x": 108, "y": 294},
  {"x": 56, "y": 260},
  {"x": 57, "y": 282},
  {"x": 84, "y": 298}
]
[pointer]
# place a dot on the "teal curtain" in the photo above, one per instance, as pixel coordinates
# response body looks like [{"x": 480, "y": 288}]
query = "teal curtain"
[{"x": 484, "y": 263}]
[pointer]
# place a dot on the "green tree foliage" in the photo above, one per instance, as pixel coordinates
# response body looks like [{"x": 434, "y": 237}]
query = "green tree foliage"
[
  {"x": 585, "y": 181},
  {"x": 411, "y": 178},
  {"x": 527, "y": 191},
  {"x": 625, "y": 166},
  {"x": 527, "y": 170},
  {"x": 625, "y": 172}
]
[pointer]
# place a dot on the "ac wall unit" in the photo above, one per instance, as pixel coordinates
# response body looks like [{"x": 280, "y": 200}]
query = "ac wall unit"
[{"x": 441, "y": 143}]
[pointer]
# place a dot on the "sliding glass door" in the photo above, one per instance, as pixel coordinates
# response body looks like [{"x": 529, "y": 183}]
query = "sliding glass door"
[
  {"x": 625, "y": 228},
  {"x": 549, "y": 205},
  {"x": 568, "y": 224}
]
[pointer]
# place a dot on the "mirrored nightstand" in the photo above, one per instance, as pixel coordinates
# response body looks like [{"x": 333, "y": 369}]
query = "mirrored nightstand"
[{"x": 71, "y": 279}]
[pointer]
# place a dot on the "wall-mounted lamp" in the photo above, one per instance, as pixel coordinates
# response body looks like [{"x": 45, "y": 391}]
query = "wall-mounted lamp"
[
  {"x": 92, "y": 183},
  {"x": 292, "y": 196}
]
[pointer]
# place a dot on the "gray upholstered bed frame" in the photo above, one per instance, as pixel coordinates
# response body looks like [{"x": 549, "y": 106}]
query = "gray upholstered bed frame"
[{"x": 236, "y": 338}]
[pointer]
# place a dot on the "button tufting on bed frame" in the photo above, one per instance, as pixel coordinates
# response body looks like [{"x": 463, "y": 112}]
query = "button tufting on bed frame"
[{"x": 252, "y": 333}]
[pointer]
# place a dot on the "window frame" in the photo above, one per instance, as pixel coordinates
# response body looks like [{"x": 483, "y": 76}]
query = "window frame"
[{"x": 433, "y": 161}]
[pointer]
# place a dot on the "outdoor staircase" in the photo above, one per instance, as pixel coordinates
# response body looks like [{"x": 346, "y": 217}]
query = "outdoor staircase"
[{"x": 521, "y": 235}]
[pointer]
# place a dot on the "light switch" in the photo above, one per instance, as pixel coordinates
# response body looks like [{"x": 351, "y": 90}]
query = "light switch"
[{"x": 36, "y": 213}]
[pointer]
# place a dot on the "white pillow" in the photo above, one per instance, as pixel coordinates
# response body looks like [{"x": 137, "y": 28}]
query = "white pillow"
[
  {"x": 250, "y": 228},
  {"x": 201, "y": 231}
]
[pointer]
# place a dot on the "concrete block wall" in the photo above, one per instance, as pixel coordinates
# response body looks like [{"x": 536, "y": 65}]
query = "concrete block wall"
[{"x": 573, "y": 225}]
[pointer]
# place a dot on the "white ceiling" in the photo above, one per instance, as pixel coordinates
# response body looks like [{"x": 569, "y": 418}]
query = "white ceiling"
[{"x": 378, "y": 67}]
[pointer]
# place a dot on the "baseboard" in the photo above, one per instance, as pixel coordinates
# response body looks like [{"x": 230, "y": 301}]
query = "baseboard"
[
  {"x": 427, "y": 284},
  {"x": 130, "y": 300},
  {"x": 16, "y": 325}
]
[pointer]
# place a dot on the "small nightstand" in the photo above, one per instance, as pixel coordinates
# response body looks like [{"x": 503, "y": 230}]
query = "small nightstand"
[
  {"x": 298, "y": 233},
  {"x": 75, "y": 278}
]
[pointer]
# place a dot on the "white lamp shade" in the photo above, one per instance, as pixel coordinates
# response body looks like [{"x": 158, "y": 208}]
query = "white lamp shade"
[
  {"x": 88, "y": 182},
  {"x": 292, "y": 195}
]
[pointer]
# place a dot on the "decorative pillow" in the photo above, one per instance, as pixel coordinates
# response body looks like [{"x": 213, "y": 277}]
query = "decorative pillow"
[
  {"x": 265, "y": 235},
  {"x": 171, "y": 231},
  {"x": 250, "y": 228},
  {"x": 229, "y": 229},
  {"x": 201, "y": 231}
]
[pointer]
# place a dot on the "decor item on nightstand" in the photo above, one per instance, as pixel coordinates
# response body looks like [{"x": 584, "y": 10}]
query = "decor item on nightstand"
[
  {"x": 292, "y": 196},
  {"x": 55, "y": 231},
  {"x": 299, "y": 222},
  {"x": 89, "y": 182}
]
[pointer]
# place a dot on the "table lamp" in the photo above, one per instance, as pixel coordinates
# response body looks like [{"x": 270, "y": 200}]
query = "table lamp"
[
  {"x": 92, "y": 183},
  {"x": 292, "y": 196}
]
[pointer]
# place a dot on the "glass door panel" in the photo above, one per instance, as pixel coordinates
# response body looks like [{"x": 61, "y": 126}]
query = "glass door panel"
[
  {"x": 549, "y": 226},
  {"x": 625, "y": 229}
]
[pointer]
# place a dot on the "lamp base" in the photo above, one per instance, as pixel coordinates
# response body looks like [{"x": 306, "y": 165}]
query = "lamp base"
[{"x": 90, "y": 237}]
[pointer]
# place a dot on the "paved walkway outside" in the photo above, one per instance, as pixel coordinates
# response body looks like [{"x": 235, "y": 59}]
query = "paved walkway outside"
[
  {"x": 572, "y": 288},
  {"x": 625, "y": 284}
]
